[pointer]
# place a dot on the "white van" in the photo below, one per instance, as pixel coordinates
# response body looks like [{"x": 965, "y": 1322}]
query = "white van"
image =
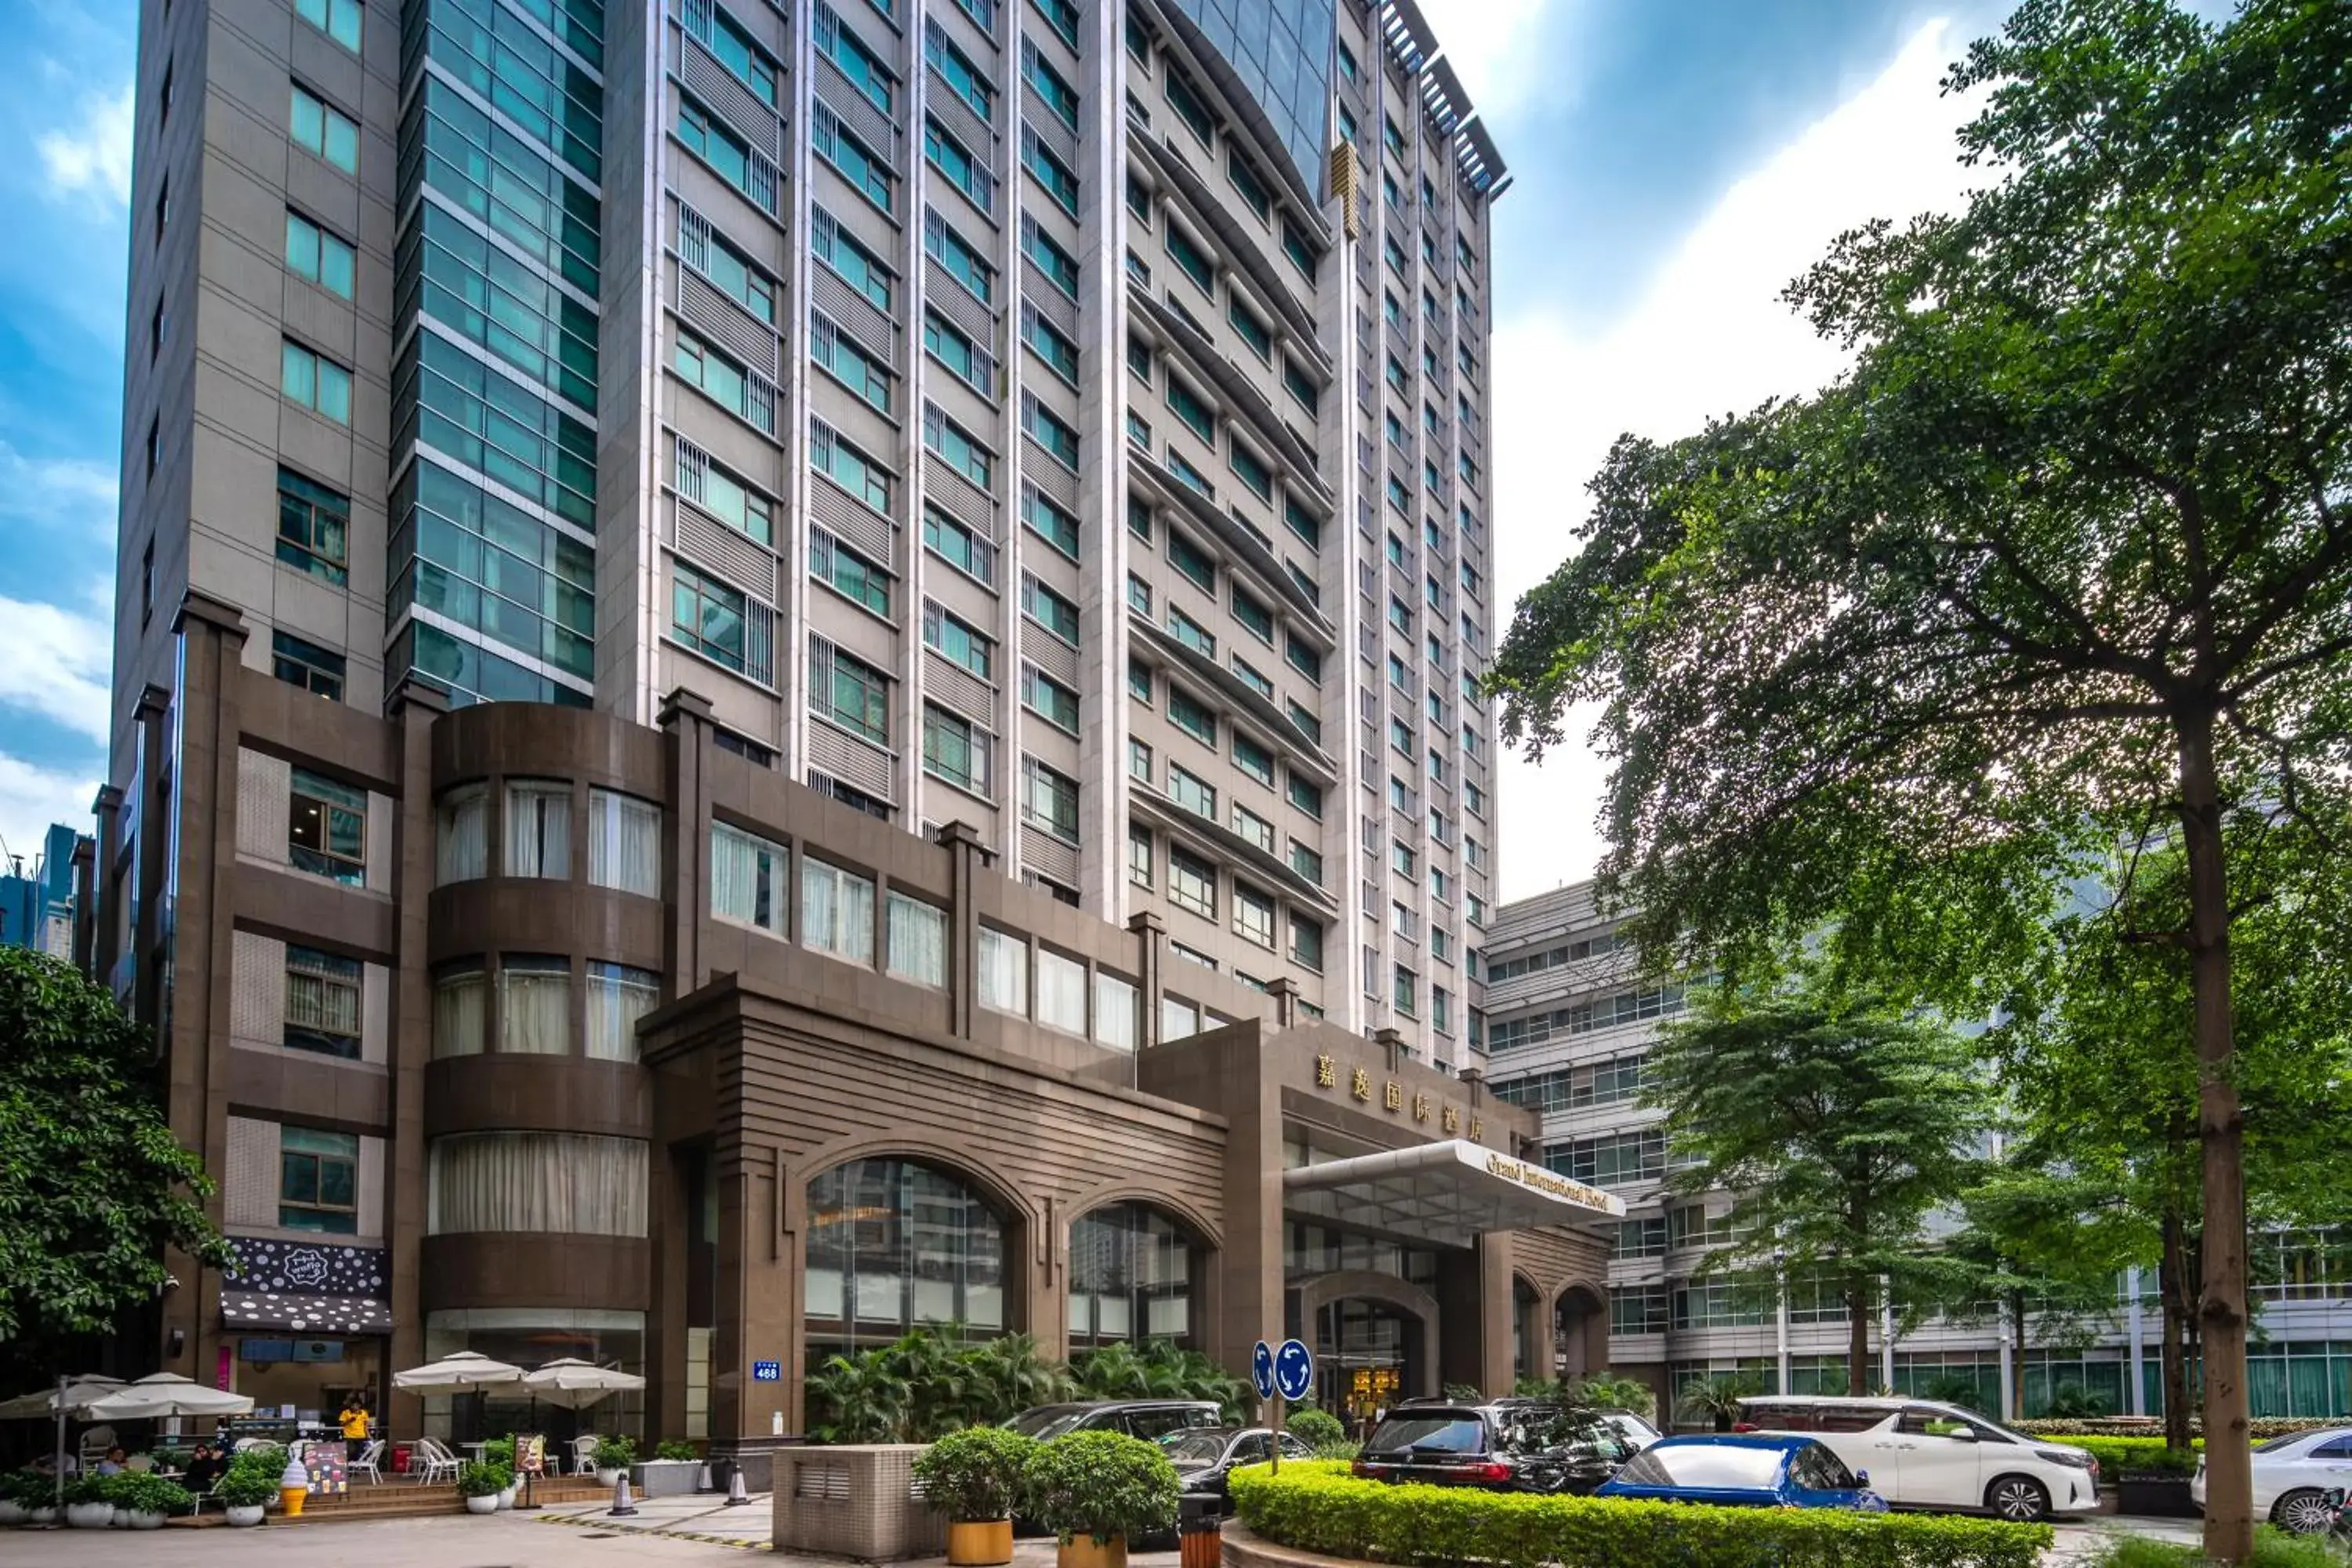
[{"x": 1923, "y": 1455}]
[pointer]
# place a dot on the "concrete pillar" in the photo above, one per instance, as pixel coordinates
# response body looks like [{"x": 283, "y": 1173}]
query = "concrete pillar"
[
  {"x": 969, "y": 857},
  {"x": 2135, "y": 1320},
  {"x": 414, "y": 705},
  {"x": 686, "y": 716},
  {"x": 1150, "y": 948}
]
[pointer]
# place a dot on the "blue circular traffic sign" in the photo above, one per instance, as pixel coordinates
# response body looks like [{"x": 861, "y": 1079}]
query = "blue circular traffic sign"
[
  {"x": 1293, "y": 1370},
  {"x": 1262, "y": 1369}
]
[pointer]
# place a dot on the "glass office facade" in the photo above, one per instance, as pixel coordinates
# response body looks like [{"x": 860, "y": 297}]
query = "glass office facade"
[{"x": 1282, "y": 51}]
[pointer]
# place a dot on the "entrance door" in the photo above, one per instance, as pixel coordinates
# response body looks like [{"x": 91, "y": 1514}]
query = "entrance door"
[{"x": 1367, "y": 1357}]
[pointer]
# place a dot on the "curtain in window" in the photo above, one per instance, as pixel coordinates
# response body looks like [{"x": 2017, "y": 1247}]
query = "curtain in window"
[
  {"x": 535, "y": 1007},
  {"x": 837, "y": 911},
  {"x": 322, "y": 1002},
  {"x": 1061, "y": 992},
  {"x": 623, "y": 843},
  {"x": 1004, "y": 972},
  {"x": 462, "y": 851},
  {"x": 918, "y": 941},
  {"x": 1114, "y": 1012},
  {"x": 458, "y": 1012},
  {"x": 564, "y": 1183},
  {"x": 538, "y": 831},
  {"x": 743, "y": 872},
  {"x": 618, "y": 998}
]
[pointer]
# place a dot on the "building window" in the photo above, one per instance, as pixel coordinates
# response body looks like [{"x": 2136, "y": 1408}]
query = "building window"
[
  {"x": 1307, "y": 943},
  {"x": 322, "y": 1003},
  {"x": 833, "y": 351},
  {"x": 324, "y": 131},
  {"x": 339, "y": 19},
  {"x": 327, "y": 829},
  {"x": 837, "y": 911},
  {"x": 958, "y": 641},
  {"x": 1139, "y": 856},
  {"x": 460, "y": 1013},
  {"x": 1192, "y": 883},
  {"x": 859, "y": 267},
  {"x": 849, "y": 691},
  {"x": 461, "y": 852},
  {"x": 892, "y": 1244},
  {"x": 1253, "y": 759},
  {"x": 1404, "y": 992},
  {"x": 707, "y": 616},
  {"x": 1004, "y": 972},
  {"x": 623, "y": 843},
  {"x": 1049, "y": 800},
  {"x": 318, "y": 255},
  {"x": 538, "y": 831},
  {"x": 315, "y": 381},
  {"x": 1055, "y": 526},
  {"x": 618, "y": 998},
  {"x": 1192, "y": 717},
  {"x": 961, "y": 548},
  {"x": 1049, "y": 699},
  {"x": 563, "y": 1184},
  {"x": 917, "y": 935},
  {"x": 535, "y": 1005},
  {"x": 954, "y": 749},
  {"x": 747, "y": 879},
  {"x": 313, "y": 527},
  {"x": 1253, "y": 915},
  {"x": 1130, "y": 1277},
  {"x": 318, "y": 1181},
  {"x": 307, "y": 665},
  {"x": 1307, "y": 795}
]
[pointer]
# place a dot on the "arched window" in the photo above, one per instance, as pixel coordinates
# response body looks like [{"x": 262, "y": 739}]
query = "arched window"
[
  {"x": 892, "y": 1244},
  {"x": 1130, "y": 1277}
]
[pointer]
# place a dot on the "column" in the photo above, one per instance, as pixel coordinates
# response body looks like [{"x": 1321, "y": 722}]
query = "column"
[
  {"x": 686, "y": 717},
  {"x": 1150, "y": 932},
  {"x": 969, "y": 855},
  {"x": 414, "y": 705},
  {"x": 2135, "y": 1321}
]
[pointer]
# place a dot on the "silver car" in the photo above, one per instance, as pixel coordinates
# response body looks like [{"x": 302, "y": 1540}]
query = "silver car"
[{"x": 2293, "y": 1476}]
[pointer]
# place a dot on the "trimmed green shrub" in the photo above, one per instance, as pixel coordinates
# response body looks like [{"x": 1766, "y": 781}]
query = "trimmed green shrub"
[
  {"x": 88, "y": 1488},
  {"x": 675, "y": 1448},
  {"x": 616, "y": 1452},
  {"x": 973, "y": 1476},
  {"x": 1102, "y": 1484},
  {"x": 265, "y": 1459},
  {"x": 1316, "y": 1428},
  {"x": 1319, "y": 1507},
  {"x": 244, "y": 1487},
  {"x": 477, "y": 1478},
  {"x": 137, "y": 1493},
  {"x": 2134, "y": 1456}
]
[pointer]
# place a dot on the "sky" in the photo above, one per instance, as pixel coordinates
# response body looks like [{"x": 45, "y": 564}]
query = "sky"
[{"x": 1675, "y": 163}]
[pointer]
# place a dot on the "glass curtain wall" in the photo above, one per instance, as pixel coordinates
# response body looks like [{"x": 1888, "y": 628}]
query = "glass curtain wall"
[
  {"x": 1130, "y": 1277},
  {"x": 892, "y": 1244}
]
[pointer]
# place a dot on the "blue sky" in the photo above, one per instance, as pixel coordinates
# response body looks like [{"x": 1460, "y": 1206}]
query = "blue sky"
[{"x": 1676, "y": 161}]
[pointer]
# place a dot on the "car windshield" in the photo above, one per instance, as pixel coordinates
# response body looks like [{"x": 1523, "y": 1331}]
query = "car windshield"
[
  {"x": 2291, "y": 1438},
  {"x": 1711, "y": 1465},
  {"x": 1193, "y": 1448},
  {"x": 1048, "y": 1420},
  {"x": 1445, "y": 1431}
]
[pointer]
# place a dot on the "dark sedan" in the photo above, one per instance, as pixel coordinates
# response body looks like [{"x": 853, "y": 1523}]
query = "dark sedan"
[{"x": 1206, "y": 1456}]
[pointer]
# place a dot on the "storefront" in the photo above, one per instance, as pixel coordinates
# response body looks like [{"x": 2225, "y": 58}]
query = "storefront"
[{"x": 306, "y": 1327}]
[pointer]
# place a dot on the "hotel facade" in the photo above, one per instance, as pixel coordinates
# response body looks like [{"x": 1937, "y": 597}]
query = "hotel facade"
[{"x": 784, "y": 672}]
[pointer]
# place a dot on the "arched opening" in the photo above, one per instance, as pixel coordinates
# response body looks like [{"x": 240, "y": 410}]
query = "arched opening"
[
  {"x": 1531, "y": 1346},
  {"x": 1133, "y": 1276},
  {"x": 1580, "y": 1331},
  {"x": 1368, "y": 1354},
  {"x": 895, "y": 1244}
]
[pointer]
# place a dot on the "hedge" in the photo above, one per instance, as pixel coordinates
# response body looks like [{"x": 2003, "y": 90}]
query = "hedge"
[
  {"x": 2260, "y": 1428},
  {"x": 2134, "y": 1455},
  {"x": 1317, "y": 1506}
]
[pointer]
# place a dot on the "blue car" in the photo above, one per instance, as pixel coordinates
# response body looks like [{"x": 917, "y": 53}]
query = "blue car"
[{"x": 1762, "y": 1470}]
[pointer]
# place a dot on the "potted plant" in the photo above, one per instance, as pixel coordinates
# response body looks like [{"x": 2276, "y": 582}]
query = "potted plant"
[
  {"x": 614, "y": 1454},
  {"x": 20, "y": 1492},
  {"x": 972, "y": 1476},
  {"x": 145, "y": 1501},
  {"x": 672, "y": 1471},
  {"x": 1097, "y": 1492},
  {"x": 245, "y": 1493},
  {"x": 500, "y": 1451},
  {"x": 89, "y": 1504},
  {"x": 479, "y": 1483}
]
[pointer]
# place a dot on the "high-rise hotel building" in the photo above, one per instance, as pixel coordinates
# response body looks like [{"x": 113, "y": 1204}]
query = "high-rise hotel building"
[{"x": 1059, "y": 418}]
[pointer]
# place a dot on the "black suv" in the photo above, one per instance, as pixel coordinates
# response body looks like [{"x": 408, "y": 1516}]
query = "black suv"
[
  {"x": 1150, "y": 1419},
  {"x": 1503, "y": 1445}
]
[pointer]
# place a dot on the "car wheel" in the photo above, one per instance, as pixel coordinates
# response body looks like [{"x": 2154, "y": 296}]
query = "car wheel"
[
  {"x": 2019, "y": 1499},
  {"x": 2301, "y": 1512}
]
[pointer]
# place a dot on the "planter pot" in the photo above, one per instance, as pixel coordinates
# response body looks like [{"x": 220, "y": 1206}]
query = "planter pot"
[
  {"x": 1086, "y": 1552},
  {"x": 121, "y": 1519},
  {"x": 13, "y": 1512},
  {"x": 665, "y": 1477},
  {"x": 506, "y": 1499},
  {"x": 140, "y": 1521},
  {"x": 486, "y": 1503},
  {"x": 2161, "y": 1497},
  {"x": 607, "y": 1479},
  {"x": 245, "y": 1517},
  {"x": 90, "y": 1515},
  {"x": 42, "y": 1516},
  {"x": 980, "y": 1543}
]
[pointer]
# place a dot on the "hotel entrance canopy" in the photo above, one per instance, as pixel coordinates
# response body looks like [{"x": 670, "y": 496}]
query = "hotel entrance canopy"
[{"x": 1447, "y": 1192}]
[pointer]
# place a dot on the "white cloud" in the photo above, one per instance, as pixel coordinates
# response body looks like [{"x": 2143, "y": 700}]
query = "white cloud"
[
  {"x": 1709, "y": 335},
  {"x": 69, "y": 493},
  {"x": 33, "y": 797},
  {"x": 55, "y": 663},
  {"x": 92, "y": 157},
  {"x": 1489, "y": 45}
]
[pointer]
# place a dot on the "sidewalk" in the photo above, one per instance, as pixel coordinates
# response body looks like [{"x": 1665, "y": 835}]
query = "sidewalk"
[{"x": 706, "y": 1518}]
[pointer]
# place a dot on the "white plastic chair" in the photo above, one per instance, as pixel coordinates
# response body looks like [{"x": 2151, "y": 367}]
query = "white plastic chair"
[
  {"x": 367, "y": 1463},
  {"x": 437, "y": 1461},
  {"x": 584, "y": 1456},
  {"x": 95, "y": 1442}
]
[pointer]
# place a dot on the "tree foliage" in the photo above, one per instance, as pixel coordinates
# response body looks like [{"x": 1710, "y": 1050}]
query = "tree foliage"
[
  {"x": 93, "y": 1186},
  {"x": 1837, "y": 1122},
  {"x": 2065, "y": 558}
]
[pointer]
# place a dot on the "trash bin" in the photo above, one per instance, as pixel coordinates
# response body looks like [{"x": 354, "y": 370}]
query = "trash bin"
[
  {"x": 400, "y": 1459},
  {"x": 1199, "y": 1522}
]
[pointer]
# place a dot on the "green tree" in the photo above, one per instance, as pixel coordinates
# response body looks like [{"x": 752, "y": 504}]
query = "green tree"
[
  {"x": 1837, "y": 1123},
  {"x": 2065, "y": 555},
  {"x": 94, "y": 1189}
]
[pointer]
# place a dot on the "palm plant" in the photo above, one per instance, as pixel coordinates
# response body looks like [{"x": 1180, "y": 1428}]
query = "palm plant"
[
  {"x": 1008, "y": 1375},
  {"x": 1716, "y": 1400},
  {"x": 1606, "y": 1390},
  {"x": 859, "y": 1398}
]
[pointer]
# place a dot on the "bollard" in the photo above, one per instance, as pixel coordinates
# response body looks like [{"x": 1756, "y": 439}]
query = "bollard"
[
  {"x": 736, "y": 1494},
  {"x": 622, "y": 1506}
]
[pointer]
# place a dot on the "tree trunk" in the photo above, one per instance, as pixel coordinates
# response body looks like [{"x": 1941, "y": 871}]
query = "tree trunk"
[
  {"x": 2171, "y": 1267},
  {"x": 1857, "y": 1341},
  {"x": 2220, "y": 1129},
  {"x": 2016, "y": 1354}
]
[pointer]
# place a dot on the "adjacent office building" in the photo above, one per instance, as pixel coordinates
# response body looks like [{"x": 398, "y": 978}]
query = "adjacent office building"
[
  {"x": 40, "y": 906},
  {"x": 1571, "y": 1025},
  {"x": 888, "y": 516}
]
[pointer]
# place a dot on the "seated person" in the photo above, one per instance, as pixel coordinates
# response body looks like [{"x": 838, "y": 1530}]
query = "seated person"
[
  {"x": 206, "y": 1466},
  {"x": 114, "y": 1464}
]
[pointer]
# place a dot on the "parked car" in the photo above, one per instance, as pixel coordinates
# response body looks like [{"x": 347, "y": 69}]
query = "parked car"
[
  {"x": 1508, "y": 1445},
  {"x": 1633, "y": 1431},
  {"x": 1751, "y": 1470},
  {"x": 1150, "y": 1419},
  {"x": 2293, "y": 1476},
  {"x": 1923, "y": 1455},
  {"x": 1205, "y": 1456}
]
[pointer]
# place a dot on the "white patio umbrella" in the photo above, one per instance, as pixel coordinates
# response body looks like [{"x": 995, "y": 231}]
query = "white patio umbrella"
[
  {"x": 68, "y": 1398},
  {"x": 574, "y": 1383},
  {"x": 166, "y": 1394},
  {"x": 467, "y": 1372}
]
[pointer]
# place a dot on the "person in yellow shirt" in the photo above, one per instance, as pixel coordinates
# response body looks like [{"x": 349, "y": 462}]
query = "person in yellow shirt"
[{"x": 354, "y": 1419}]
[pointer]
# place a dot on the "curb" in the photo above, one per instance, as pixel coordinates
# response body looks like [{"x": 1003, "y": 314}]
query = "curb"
[{"x": 590, "y": 1522}]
